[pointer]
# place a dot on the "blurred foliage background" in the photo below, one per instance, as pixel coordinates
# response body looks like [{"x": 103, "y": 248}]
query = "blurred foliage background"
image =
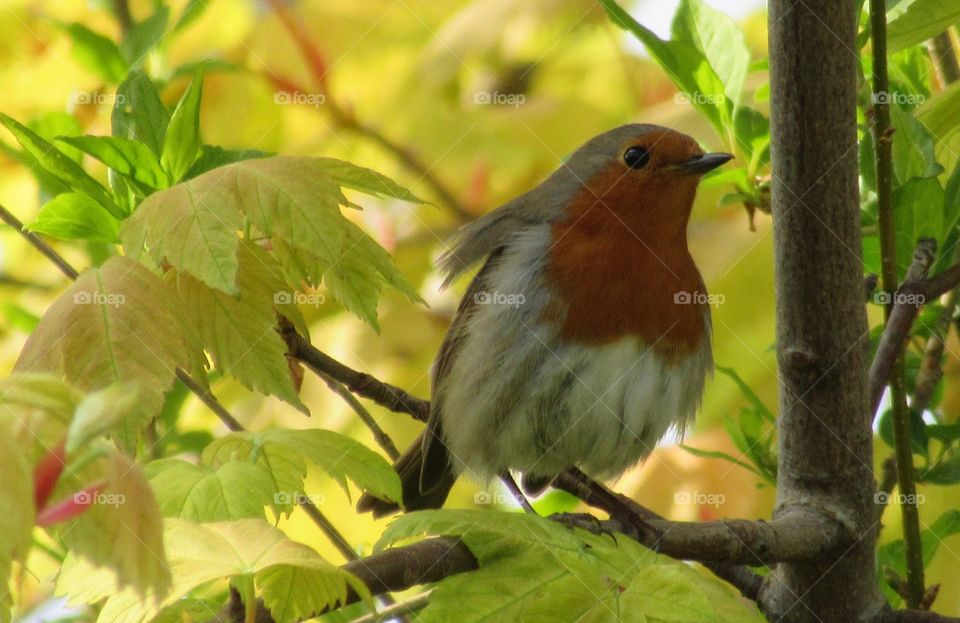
[{"x": 490, "y": 96}]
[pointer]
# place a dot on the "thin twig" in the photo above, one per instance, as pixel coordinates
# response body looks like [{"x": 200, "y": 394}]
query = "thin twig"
[
  {"x": 883, "y": 135},
  {"x": 384, "y": 394},
  {"x": 38, "y": 243},
  {"x": 907, "y": 302},
  {"x": 210, "y": 400},
  {"x": 379, "y": 435}
]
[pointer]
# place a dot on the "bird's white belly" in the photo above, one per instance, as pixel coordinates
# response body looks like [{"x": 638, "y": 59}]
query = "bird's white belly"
[{"x": 517, "y": 397}]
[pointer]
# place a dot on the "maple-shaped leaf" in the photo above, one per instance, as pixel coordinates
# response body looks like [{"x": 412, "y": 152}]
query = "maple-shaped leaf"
[
  {"x": 240, "y": 331},
  {"x": 234, "y": 490},
  {"x": 294, "y": 201},
  {"x": 285, "y": 452},
  {"x": 202, "y": 553},
  {"x": 115, "y": 323},
  {"x": 122, "y": 528}
]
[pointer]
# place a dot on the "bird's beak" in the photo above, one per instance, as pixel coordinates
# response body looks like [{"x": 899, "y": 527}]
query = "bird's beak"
[{"x": 705, "y": 162}]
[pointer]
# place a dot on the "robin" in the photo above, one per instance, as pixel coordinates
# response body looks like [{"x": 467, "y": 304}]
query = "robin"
[{"x": 586, "y": 334}]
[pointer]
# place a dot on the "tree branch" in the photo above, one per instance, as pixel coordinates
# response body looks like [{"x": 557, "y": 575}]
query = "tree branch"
[
  {"x": 362, "y": 384},
  {"x": 908, "y": 300},
  {"x": 38, "y": 243}
]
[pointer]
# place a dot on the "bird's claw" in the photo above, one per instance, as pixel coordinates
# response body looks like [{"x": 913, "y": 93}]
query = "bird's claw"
[{"x": 584, "y": 521}]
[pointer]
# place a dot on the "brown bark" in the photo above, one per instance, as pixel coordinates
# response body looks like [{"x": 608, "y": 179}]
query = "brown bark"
[{"x": 825, "y": 437}]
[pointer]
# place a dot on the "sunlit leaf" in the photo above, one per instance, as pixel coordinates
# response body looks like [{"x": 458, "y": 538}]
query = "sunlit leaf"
[
  {"x": 233, "y": 490},
  {"x": 115, "y": 323},
  {"x": 138, "y": 112},
  {"x": 920, "y": 20},
  {"x": 75, "y": 216},
  {"x": 240, "y": 331},
  {"x": 122, "y": 529},
  {"x": 201, "y": 553},
  {"x": 181, "y": 143},
  {"x": 59, "y": 164},
  {"x": 129, "y": 158}
]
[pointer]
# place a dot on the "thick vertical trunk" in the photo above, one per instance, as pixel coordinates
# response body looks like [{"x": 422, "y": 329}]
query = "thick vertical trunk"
[{"x": 825, "y": 435}]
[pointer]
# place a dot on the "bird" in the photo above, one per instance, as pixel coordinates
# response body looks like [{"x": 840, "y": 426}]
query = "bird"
[{"x": 585, "y": 335}]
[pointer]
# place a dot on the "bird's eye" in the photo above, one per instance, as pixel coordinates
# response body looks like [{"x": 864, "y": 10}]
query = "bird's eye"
[{"x": 636, "y": 157}]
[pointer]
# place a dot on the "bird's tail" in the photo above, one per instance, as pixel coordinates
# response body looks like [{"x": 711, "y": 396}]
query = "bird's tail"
[{"x": 408, "y": 467}]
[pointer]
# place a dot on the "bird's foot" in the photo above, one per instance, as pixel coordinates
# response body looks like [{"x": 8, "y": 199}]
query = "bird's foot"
[{"x": 584, "y": 521}]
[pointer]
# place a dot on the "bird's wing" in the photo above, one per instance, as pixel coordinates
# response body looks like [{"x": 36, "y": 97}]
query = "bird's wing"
[{"x": 435, "y": 458}]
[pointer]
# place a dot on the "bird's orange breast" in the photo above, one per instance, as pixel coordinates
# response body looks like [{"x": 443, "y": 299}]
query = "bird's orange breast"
[{"x": 620, "y": 266}]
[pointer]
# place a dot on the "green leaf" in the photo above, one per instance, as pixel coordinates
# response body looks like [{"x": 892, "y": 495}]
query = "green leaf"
[
  {"x": 240, "y": 331},
  {"x": 913, "y": 147},
  {"x": 129, "y": 158},
  {"x": 752, "y": 132},
  {"x": 144, "y": 35},
  {"x": 101, "y": 411},
  {"x": 75, "y": 216},
  {"x": 192, "y": 11},
  {"x": 685, "y": 65},
  {"x": 918, "y": 211},
  {"x": 181, "y": 144},
  {"x": 139, "y": 114},
  {"x": 97, "y": 332},
  {"x": 201, "y": 553},
  {"x": 233, "y": 490},
  {"x": 364, "y": 180},
  {"x": 96, "y": 52},
  {"x": 59, "y": 164},
  {"x": 945, "y": 471},
  {"x": 123, "y": 530},
  {"x": 194, "y": 225},
  {"x": 342, "y": 458},
  {"x": 212, "y": 157},
  {"x": 951, "y": 201},
  {"x": 295, "y": 593},
  {"x": 748, "y": 393},
  {"x": 16, "y": 495},
  {"x": 719, "y": 40},
  {"x": 921, "y": 20},
  {"x": 284, "y": 452},
  {"x": 939, "y": 115},
  {"x": 715, "y": 454},
  {"x": 534, "y": 569}
]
